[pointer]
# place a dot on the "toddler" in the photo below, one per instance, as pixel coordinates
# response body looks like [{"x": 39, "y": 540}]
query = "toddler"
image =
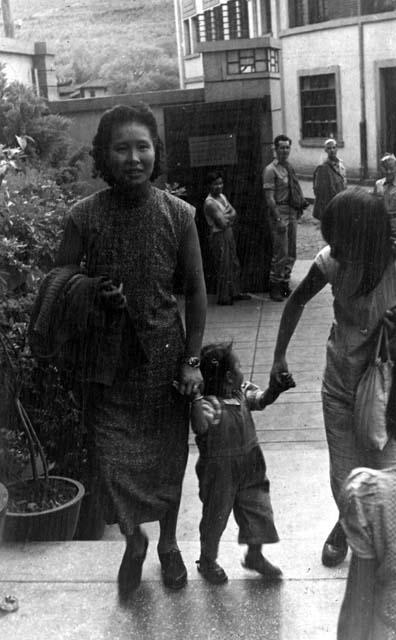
[{"x": 231, "y": 468}]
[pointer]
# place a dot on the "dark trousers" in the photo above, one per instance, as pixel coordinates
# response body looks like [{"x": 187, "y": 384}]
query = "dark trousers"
[
  {"x": 238, "y": 484},
  {"x": 284, "y": 241}
]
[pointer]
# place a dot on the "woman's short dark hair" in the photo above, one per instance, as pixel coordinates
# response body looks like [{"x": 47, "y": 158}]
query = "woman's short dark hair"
[
  {"x": 216, "y": 360},
  {"x": 212, "y": 176},
  {"x": 122, "y": 114},
  {"x": 356, "y": 226}
]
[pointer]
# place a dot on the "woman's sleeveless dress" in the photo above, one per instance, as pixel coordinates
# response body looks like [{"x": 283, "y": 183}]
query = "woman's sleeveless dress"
[{"x": 140, "y": 423}]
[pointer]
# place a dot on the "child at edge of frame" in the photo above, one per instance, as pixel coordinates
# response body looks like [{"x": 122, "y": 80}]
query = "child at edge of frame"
[{"x": 231, "y": 468}]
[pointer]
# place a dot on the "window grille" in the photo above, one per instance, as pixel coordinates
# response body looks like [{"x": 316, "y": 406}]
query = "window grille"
[
  {"x": 252, "y": 61},
  {"x": 377, "y": 6},
  {"x": 318, "y": 106},
  {"x": 296, "y": 13},
  {"x": 224, "y": 22},
  {"x": 317, "y": 11},
  {"x": 187, "y": 37},
  {"x": 302, "y": 12}
]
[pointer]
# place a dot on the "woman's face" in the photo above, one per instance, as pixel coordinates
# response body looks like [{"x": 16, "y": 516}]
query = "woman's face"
[
  {"x": 216, "y": 187},
  {"x": 131, "y": 154}
]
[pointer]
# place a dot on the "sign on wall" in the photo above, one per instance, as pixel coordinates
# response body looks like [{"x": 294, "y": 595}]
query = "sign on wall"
[{"x": 211, "y": 151}]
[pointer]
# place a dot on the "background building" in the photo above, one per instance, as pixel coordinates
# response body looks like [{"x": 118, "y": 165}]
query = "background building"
[
  {"x": 329, "y": 67},
  {"x": 30, "y": 63}
]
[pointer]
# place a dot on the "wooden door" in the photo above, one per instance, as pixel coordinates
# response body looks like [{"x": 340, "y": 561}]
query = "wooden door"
[{"x": 248, "y": 124}]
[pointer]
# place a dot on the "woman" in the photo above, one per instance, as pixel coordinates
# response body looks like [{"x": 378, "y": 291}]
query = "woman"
[
  {"x": 221, "y": 216},
  {"x": 136, "y": 236},
  {"x": 329, "y": 178},
  {"x": 359, "y": 266}
]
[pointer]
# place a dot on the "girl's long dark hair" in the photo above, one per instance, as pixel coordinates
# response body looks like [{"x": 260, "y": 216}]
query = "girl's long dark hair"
[
  {"x": 122, "y": 114},
  {"x": 356, "y": 226},
  {"x": 216, "y": 360}
]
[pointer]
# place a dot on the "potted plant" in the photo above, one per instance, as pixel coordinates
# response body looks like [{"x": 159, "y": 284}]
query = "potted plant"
[
  {"x": 3, "y": 506},
  {"x": 42, "y": 506}
]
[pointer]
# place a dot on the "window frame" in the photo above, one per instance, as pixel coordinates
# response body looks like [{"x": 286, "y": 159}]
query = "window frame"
[
  {"x": 319, "y": 71},
  {"x": 256, "y": 56}
]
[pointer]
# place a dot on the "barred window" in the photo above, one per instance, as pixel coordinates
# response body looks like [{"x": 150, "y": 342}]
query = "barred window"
[
  {"x": 302, "y": 12},
  {"x": 224, "y": 22},
  {"x": 252, "y": 61},
  {"x": 187, "y": 37},
  {"x": 377, "y": 6},
  {"x": 318, "y": 106}
]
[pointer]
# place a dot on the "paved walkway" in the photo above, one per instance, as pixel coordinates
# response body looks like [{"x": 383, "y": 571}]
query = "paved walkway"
[{"x": 68, "y": 590}]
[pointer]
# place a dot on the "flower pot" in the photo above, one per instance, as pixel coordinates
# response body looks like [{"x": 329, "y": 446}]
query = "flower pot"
[
  {"x": 3, "y": 506},
  {"x": 55, "y": 524}
]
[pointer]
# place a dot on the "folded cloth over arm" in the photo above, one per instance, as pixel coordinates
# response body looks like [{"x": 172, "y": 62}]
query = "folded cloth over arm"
[{"x": 70, "y": 325}]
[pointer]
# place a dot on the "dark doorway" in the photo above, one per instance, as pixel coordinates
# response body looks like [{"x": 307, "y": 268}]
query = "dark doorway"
[
  {"x": 388, "y": 124},
  {"x": 248, "y": 124}
]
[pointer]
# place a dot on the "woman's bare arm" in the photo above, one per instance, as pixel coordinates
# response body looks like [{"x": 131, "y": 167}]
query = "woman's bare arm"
[
  {"x": 195, "y": 310},
  {"x": 313, "y": 282},
  {"x": 213, "y": 211}
]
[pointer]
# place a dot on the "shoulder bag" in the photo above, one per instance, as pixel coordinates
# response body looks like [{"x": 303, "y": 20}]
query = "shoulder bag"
[{"x": 372, "y": 396}]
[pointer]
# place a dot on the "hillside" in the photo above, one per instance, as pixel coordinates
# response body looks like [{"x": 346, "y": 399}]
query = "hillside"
[{"x": 129, "y": 43}]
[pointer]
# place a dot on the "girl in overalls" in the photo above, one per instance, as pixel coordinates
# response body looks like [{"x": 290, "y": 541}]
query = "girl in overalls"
[{"x": 231, "y": 468}]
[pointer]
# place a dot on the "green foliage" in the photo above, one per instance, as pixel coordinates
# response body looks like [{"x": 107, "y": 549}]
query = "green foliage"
[
  {"x": 33, "y": 204},
  {"x": 87, "y": 35},
  {"x": 25, "y": 115}
]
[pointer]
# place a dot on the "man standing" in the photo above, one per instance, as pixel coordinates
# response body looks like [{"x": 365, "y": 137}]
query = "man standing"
[
  {"x": 329, "y": 179},
  {"x": 386, "y": 189},
  {"x": 285, "y": 204}
]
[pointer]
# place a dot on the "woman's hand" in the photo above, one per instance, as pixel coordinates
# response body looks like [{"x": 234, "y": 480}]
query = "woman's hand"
[
  {"x": 279, "y": 367},
  {"x": 190, "y": 380},
  {"x": 111, "y": 296}
]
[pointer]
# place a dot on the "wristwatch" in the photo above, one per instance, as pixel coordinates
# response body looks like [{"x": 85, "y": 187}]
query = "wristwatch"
[{"x": 192, "y": 361}]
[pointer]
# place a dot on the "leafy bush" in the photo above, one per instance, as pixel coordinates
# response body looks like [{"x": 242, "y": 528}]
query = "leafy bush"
[
  {"x": 33, "y": 205},
  {"x": 25, "y": 115}
]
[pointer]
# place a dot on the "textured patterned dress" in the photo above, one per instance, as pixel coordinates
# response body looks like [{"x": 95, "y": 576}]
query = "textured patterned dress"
[
  {"x": 140, "y": 422},
  {"x": 368, "y": 511}
]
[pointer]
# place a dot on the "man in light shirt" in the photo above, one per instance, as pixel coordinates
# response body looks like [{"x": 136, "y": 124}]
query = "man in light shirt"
[
  {"x": 285, "y": 203},
  {"x": 386, "y": 188}
]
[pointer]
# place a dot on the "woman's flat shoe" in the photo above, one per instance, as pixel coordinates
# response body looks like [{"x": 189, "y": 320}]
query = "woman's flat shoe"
[
  {"x": 174, "y": 572},
  {"x": 130, "y": 572},
  {"x": 335, "y": 548}
]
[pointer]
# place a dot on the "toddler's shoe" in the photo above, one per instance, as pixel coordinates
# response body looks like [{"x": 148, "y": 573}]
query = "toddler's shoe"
[
  {"x": 211, "y": 571},
  {"x": 257, "y": 562}
]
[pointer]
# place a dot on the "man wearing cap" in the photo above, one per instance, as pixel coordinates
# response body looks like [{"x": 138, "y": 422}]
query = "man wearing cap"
[
  {"x": 285, "y": 202},
  {"x": 386, "y": 189},
  {"x": 329, "y": 178}
]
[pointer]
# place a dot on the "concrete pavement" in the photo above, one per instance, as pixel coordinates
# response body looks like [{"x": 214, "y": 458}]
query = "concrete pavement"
[{"x": 68, "y": 590}]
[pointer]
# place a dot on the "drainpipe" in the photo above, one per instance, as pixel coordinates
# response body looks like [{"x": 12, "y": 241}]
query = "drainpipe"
[
  {"x": 7, "y": 19},
  {"x": 363, "y": 121},
  {"x": 180, "y": 59}
]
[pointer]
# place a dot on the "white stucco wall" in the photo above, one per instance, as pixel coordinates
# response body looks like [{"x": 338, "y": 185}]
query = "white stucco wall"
[
  {"x": 380, "y": 47},
  {"x": 18, "y": 67},
  {"x": 325, "y": 48},
  {"x": 193, "y": 69},
  {"x": 322, "y": 50}
]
